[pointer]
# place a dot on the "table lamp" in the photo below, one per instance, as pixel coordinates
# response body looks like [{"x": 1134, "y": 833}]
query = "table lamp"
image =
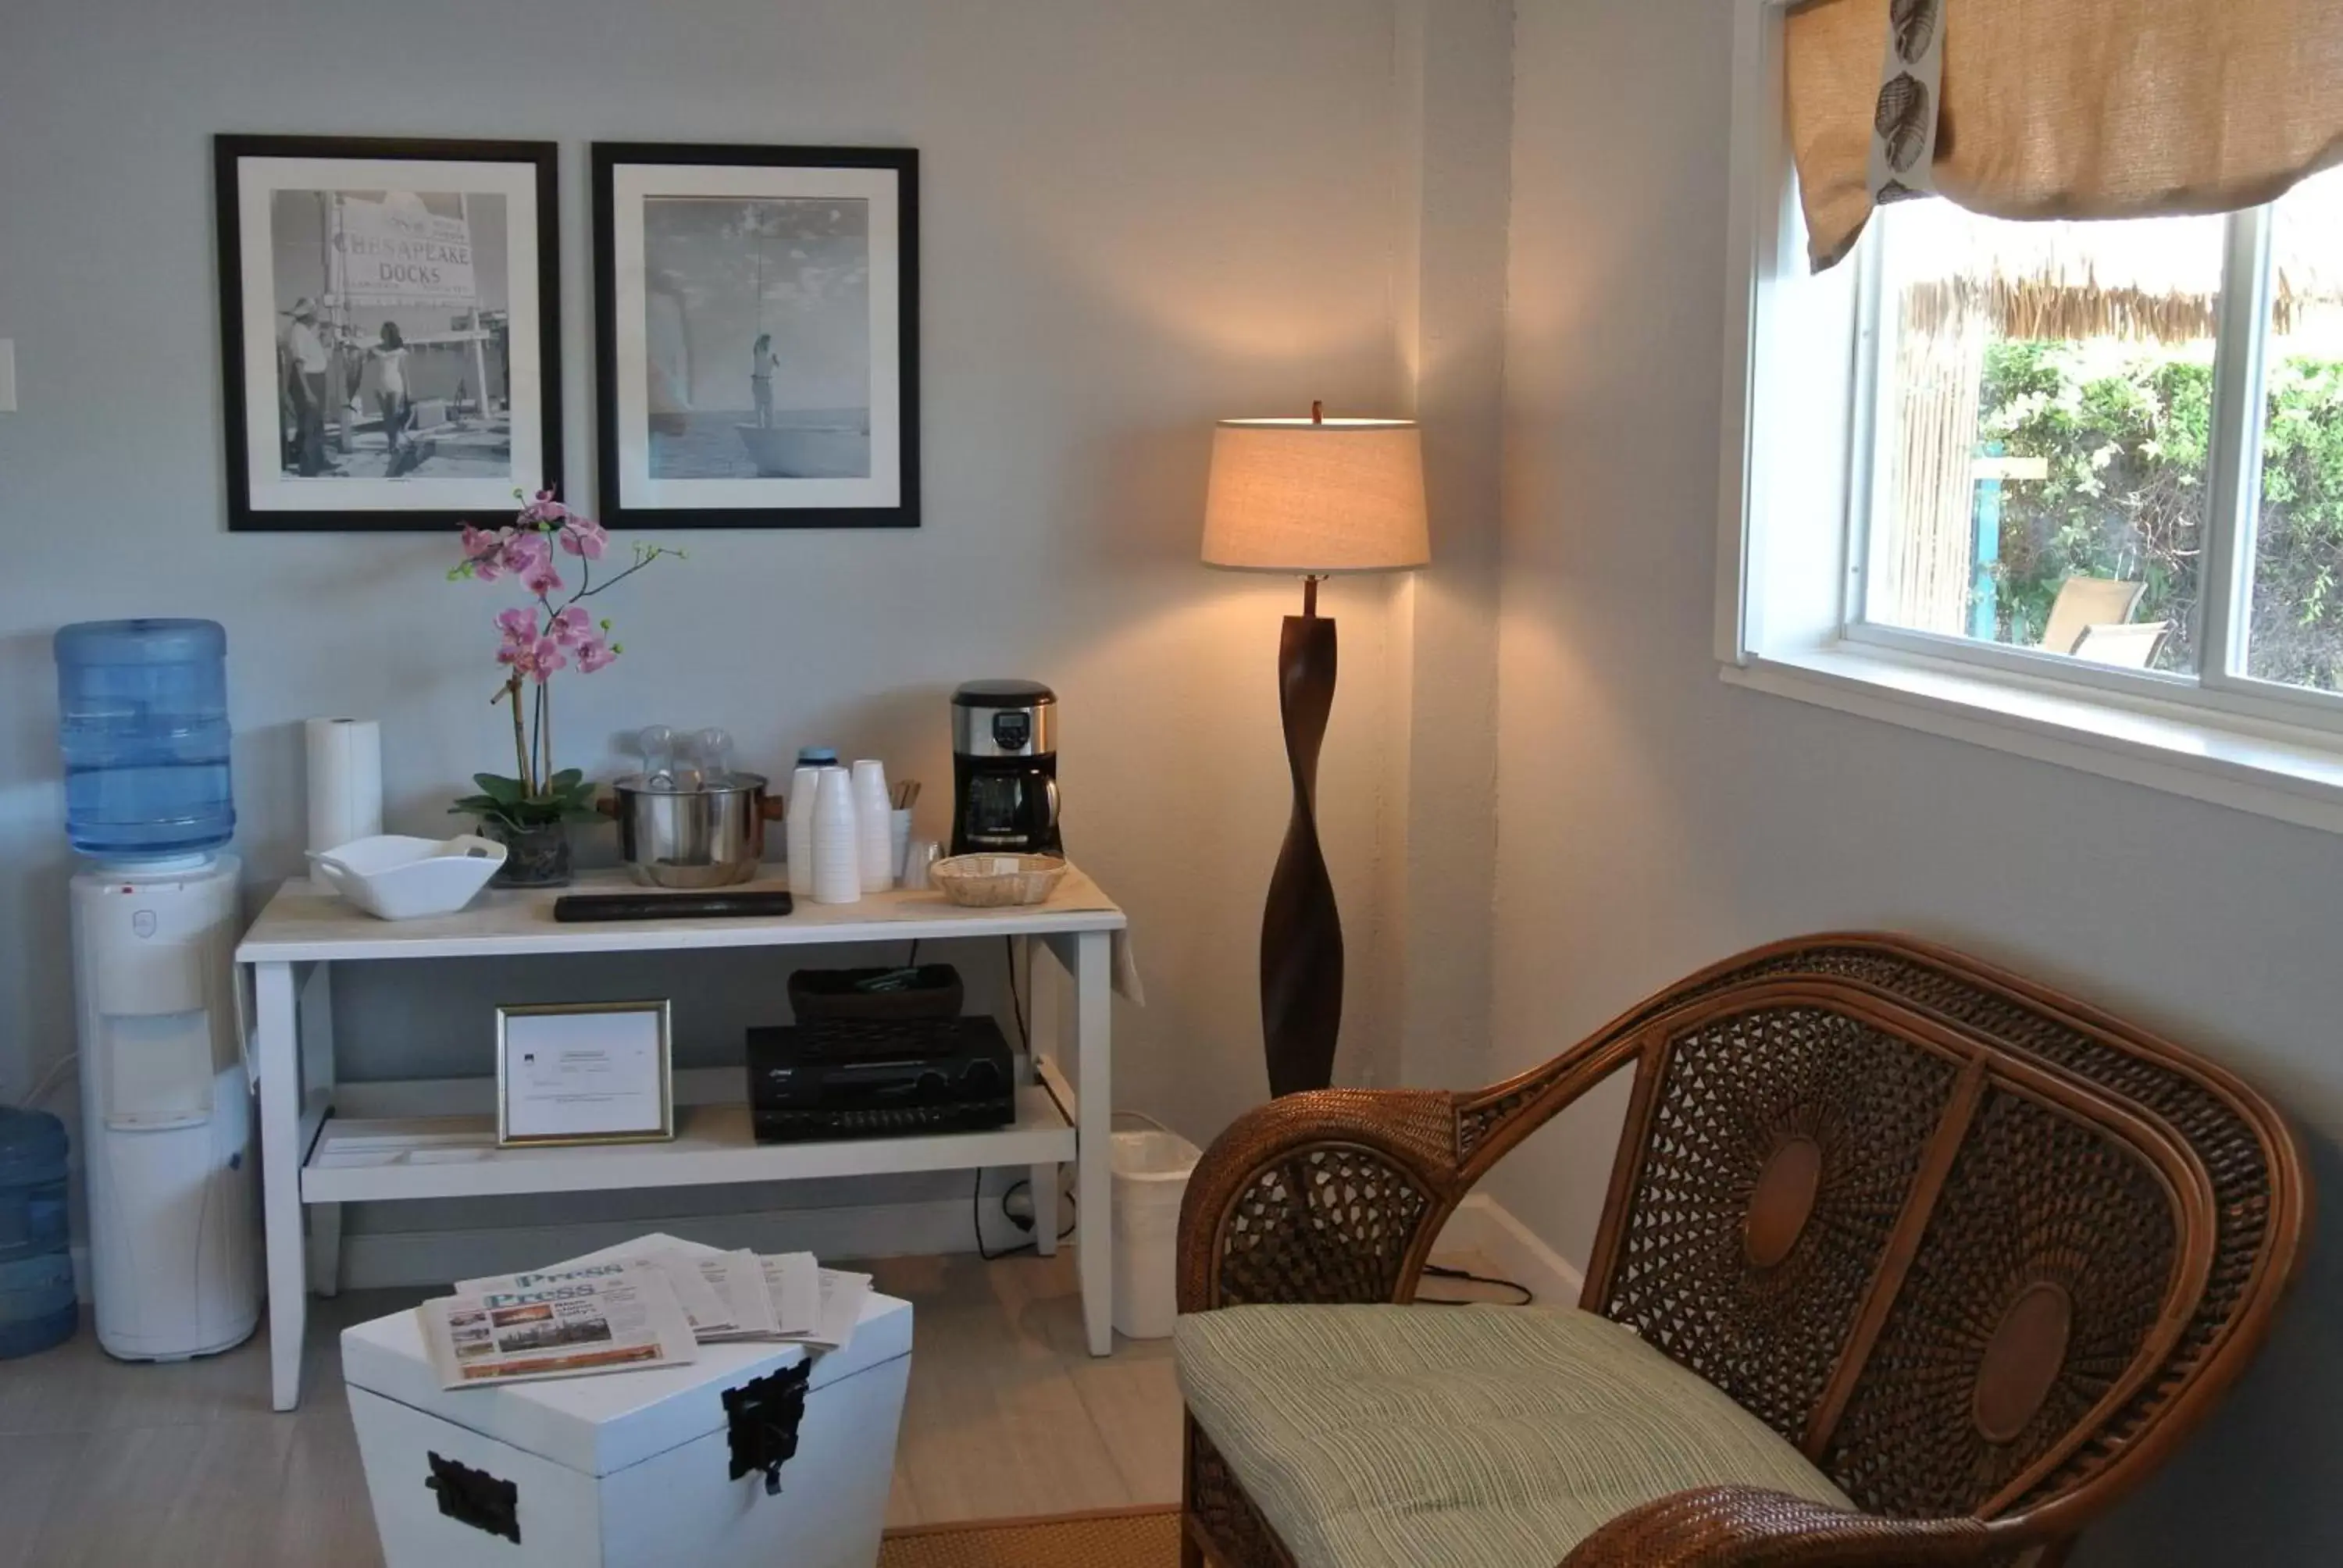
[{"x": 1314, "y": 498}]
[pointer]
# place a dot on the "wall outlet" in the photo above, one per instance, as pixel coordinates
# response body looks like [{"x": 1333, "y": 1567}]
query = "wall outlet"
[{"x": 7, "y": 375}]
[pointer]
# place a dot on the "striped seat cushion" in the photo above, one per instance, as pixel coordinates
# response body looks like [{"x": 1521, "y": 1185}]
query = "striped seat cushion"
[{"x": 1476, "y": 1437}]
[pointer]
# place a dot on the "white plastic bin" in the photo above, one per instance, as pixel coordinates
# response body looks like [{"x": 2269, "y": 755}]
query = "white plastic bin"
[{"x": 1151, "y": 1177}]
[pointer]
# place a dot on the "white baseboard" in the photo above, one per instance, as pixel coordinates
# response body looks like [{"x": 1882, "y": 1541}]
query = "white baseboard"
[
  {"x": 376, "y": 1257},
  {"x": 1482, "y": 1225}
]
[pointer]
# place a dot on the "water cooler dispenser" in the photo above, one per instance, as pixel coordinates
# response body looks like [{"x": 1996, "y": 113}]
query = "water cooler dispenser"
[{"x": 166, "y": 1107}]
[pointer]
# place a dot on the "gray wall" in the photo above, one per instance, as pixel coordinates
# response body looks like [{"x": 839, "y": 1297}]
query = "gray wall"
[
  {"x": 1137, "y": 219},
  {"x": 1652, "y": 819}
]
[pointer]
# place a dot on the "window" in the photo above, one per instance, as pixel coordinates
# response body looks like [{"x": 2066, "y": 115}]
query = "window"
[
  {"x": 2069, "y": 489},
  {"x": 2295, "y": 560},
  {"x": 2038, "y": 437},
  {"x": 2042, "y": 415}
]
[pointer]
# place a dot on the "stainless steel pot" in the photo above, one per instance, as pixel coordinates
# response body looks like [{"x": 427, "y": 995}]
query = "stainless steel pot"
[{"x": 705, "y": 837}]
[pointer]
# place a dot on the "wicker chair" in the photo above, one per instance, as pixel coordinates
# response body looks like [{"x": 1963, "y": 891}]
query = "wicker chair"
[{"x": 1983, "y": 1253}]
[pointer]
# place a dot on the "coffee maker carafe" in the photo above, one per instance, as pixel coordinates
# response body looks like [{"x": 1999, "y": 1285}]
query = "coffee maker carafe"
[{"x": 1005, "y": 768}]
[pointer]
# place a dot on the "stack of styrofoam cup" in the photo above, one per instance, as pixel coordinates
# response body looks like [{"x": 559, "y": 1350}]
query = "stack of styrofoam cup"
[
  {"x": 798, "y": 830},
  {"x": 837, "y": 840},
  {"x": 873, "y": 811}
]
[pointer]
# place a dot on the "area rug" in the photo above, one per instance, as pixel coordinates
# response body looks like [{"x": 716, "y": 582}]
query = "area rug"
[{"x": 1115, "y": 1538}]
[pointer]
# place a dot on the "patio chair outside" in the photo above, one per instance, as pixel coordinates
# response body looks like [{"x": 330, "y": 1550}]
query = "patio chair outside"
[
  {"x": 2084, "y": 603},
  {"x": 2125, "y": 647}
]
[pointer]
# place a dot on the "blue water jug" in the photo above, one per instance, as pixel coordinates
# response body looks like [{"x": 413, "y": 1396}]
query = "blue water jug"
[
  {"x": 142, "y": 716},
  {"x": 36, "y": 1283}
]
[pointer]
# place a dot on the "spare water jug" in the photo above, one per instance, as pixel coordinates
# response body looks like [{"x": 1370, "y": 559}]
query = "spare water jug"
[
  {"x": 37, "y": 1281},
  {"x": 143, "y": 718}
]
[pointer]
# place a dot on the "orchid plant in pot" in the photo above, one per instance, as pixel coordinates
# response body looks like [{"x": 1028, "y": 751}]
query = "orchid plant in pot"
[{"x": 530, "y": 811}]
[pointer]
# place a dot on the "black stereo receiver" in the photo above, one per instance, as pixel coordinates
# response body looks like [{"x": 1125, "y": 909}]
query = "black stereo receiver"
[{"x": 867, "y": 1078}]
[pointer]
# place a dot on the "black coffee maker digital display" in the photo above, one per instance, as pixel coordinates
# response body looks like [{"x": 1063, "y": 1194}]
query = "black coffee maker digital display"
[{"x": 1005, "y": 768}]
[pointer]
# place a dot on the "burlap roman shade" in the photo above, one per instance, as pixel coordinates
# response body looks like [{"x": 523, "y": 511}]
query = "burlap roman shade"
[{"x": 2075, "y": 108}]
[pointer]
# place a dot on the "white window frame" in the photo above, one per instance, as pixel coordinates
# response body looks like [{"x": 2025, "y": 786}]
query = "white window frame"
[{"x": 1789, "y": 587}]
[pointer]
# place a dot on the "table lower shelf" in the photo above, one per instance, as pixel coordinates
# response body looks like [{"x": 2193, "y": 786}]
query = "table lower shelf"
[{"x": 358, "y": 1160}]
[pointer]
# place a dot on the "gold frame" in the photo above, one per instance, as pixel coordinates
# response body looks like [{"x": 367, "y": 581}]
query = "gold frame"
[{"x": 507, "y": 1139}]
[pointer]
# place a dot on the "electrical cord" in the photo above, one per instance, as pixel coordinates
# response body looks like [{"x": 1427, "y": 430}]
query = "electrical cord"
[
  {"x": 976, "y": 1207},
  {"x": 1016, "y": 1003},
  {"x": 976, "y": 1217},
  {"x": 976, "y": 1194},
  {"x": 44, "y": 1085},
  {"x": 1435, "y": 1270},
  {"x": 1467, "y": 1276}
]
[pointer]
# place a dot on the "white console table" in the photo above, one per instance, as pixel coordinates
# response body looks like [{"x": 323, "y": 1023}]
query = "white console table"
[{"x": 431, "y": 1140}]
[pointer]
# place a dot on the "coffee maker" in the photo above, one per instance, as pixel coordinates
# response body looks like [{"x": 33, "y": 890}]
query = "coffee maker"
[{"x": 1005, "y": 768}]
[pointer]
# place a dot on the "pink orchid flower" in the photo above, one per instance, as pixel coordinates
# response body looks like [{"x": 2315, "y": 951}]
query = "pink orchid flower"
[
  {"x": 530, "y": 559},
  {"x": 571, "y": 626},
  {"x": 551, "y": 632},
  {"x": 583, "y": 536},
  {"x": 593, "y": 654},
  {"x": 485, "y": 551},
  {"x": 519, "y": 550},
  {"x": 519, "y": 625}
]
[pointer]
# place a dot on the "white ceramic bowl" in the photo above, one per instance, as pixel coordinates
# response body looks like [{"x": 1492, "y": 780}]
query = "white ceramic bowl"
[{"x": 395, "y": 877}]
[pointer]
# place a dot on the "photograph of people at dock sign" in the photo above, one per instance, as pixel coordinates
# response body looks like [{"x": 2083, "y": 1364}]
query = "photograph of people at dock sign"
[
  {"x": 393, "y": 332},
  {"x": 393, "y": 340},
  {"x": 757, "y": 338}
]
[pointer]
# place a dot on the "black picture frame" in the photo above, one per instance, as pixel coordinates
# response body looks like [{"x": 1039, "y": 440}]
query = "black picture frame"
[
  {"x": 542, "y": 159},
  {"x": 614, "y": 455}
]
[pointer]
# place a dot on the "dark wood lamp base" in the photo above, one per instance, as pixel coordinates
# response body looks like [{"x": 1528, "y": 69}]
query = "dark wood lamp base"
[{"x": 1301, "y": 929}]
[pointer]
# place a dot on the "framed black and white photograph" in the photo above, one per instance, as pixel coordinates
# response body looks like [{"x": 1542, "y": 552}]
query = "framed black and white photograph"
[
  {"x": 389, "y": 329},
  {"x": 757, "y": 335},
  {"x": 585, "y": 1072}
]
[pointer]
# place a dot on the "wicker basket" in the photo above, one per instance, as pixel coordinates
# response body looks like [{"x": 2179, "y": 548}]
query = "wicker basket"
[{"x": 997, "y": 881}]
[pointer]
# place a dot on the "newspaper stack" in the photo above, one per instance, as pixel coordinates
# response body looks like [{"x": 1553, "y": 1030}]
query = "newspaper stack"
[{"x": 648, "y": 1303}]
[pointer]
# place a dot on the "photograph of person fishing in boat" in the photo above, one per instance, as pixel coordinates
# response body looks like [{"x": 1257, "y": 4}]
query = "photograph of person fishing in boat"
[
  {"x": 757, "y": 328},
  {"x": 757, "y": 337}
]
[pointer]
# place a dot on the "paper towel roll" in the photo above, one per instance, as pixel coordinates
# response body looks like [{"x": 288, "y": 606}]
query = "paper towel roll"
[{"x": 345, "y": 780}]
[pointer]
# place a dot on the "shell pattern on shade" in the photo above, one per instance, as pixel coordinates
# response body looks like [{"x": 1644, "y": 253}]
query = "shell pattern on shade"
[
  {"x": 1902, "y": 120},
  {"x": 1913, "y": 25}
]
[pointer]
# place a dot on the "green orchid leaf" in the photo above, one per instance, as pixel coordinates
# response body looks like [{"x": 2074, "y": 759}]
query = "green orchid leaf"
[{"x": 504, "y": 791}]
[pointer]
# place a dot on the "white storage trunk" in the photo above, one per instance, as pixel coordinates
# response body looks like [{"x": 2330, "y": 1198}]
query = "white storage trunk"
[{"x": 629, "y": 1468}]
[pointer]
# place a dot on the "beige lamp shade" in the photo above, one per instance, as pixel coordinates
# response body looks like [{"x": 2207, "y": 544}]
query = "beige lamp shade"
[{"x": 1315, "y": 498}]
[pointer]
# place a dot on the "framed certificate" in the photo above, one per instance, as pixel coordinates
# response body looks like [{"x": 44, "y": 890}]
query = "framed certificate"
[{"x": 584, "y": 1073}]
